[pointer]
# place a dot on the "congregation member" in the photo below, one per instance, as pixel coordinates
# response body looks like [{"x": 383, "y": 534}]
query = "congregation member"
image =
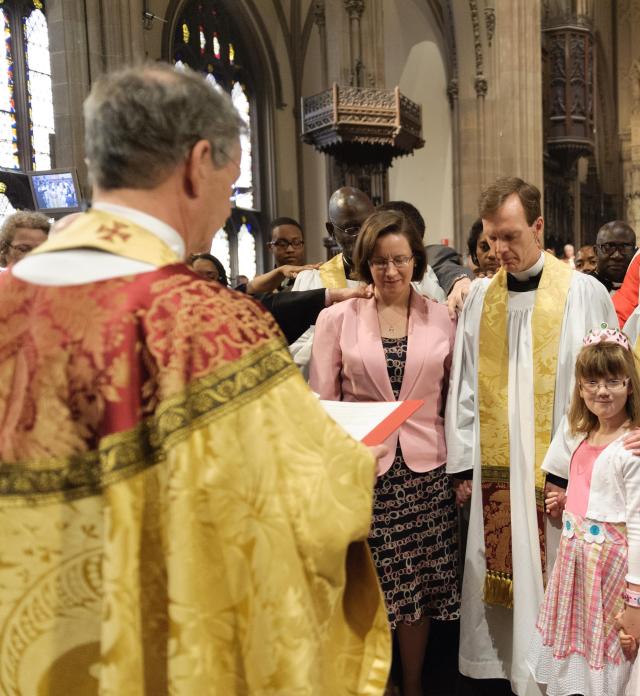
[
  {"x": 446, "y": 279},
  {"x": 481, "y": 252},
  {"x": 586, "y": 260},
  {"x": 348, "y": 208},
  {"x": 398, "y": 345},
  {"x": 21, "y": 233},
  {"x": 287, "y": 247},
  {"x": 516, "y": 345},
  {"x": 569, "y": 255},
  {"x": 287, "y": 242},
  {"x": 575, "y": 648},
  {"x": 429, "y": 285},
  {"x": 208, "y": 267},
  {"x": 158, "y": 535},
  {"x": 615, "y": 247}
]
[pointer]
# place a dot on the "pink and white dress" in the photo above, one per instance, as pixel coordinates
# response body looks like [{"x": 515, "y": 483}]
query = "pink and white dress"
[{"x": 575, "y": 648}]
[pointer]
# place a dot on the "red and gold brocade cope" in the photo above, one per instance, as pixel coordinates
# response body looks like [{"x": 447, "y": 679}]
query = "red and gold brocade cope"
[{"x": 178, "y": 514}]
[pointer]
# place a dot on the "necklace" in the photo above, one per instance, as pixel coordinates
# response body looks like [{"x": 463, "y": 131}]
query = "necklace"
[{"x": 394, "y": 324}]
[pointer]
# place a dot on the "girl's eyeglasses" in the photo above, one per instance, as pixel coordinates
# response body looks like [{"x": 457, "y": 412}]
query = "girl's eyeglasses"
[{"x": 591, "y": 386}]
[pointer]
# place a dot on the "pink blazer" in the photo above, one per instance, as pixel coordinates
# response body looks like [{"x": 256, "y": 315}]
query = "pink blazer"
[{"x": 348, "y": 364}]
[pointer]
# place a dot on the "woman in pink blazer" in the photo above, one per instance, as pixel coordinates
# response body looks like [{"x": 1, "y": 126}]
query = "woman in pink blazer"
[{"x": 398, "y": 345}]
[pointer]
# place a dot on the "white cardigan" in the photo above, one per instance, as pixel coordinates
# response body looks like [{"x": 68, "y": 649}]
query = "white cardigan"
[{"x": 615, "y": 486}]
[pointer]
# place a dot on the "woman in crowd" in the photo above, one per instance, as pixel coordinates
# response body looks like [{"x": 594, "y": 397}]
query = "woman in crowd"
[
  {"x": 21, "y": 233},
  {"x": 209, "y": 267},
  {"x": 398, "y": 345}
]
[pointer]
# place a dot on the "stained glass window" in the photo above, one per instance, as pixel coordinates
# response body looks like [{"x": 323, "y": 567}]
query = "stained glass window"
[
  {"x": 212, "y": 81},
  {"x": 36, "y": 36},
  {"x": 220, "y": 249},
  {"x": 244, "y": 184},
  {"x": 208, "y": 39},
  {"x": 8, "y": 137},
  {"x": 26, "y": 98},
  {"x": 246, "y": 251}
]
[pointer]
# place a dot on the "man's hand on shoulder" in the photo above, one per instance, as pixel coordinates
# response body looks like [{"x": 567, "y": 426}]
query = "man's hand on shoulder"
[
  {"x": 292, "y": 271},
  {"x": 632, "y": 441},
  {"x": 341, "y": 294},
  {"x": 458, "y": 295}
]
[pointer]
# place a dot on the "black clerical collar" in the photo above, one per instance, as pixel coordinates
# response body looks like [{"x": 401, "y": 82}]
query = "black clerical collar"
[{"x": 515, "y": 285}]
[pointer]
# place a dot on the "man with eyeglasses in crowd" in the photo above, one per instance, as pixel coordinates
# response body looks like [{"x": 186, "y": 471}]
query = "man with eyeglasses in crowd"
[
  {"x": 287, "y": 247},
  {"x": 21, "y": 233},
  {"x": 615, "y": 247},
  {"x": 348, "y": 209},
  {"x": 287, "y": 242}
]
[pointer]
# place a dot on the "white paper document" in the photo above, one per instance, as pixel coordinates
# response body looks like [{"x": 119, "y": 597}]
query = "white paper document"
[{"x": 361, "y": 418}]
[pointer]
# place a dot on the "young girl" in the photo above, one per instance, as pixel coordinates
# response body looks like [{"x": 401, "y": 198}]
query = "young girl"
[{"x": 596, "y": 577}]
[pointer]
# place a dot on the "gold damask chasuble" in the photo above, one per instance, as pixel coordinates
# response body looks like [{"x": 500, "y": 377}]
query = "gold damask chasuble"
[
  {"x": 332, "y": 273},
  {"x": 178, "y": 514},
  {"x": 493, "y": 409}
]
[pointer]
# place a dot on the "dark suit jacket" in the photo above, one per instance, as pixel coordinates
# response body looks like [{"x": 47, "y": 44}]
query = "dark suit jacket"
[
  {"x": 446, "y": 264},
  {"x": 295, "y": 312}
]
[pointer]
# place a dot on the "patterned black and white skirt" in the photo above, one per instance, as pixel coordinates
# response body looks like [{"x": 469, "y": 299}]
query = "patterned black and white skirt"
[{"x": 414, "y": 544}]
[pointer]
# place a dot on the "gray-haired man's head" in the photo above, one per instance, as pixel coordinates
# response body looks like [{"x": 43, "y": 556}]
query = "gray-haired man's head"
[{"x": 140, "y": 123}]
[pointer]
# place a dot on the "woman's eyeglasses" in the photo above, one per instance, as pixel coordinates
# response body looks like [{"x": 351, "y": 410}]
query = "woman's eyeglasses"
[
  {"x": 591, "y": 386},
  {"x": 397, "y": 261},
  {"x": 22, "y": 248}
]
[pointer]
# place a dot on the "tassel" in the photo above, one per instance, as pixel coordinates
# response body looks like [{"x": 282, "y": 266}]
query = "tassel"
[{"x": 498, "y": 589}]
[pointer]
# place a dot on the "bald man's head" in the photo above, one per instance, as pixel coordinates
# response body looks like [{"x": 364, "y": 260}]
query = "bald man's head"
[{"x": 348, "y": 209}]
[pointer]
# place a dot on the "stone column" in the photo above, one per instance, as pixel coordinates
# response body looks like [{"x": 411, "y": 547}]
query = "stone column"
[
  {"x": 86, "y": 38},
  {"x": 631, "y": 164},
  {"x": 354, "y": 9},
  {"x": 320, "y": 20},
  {"x": 499, "y": 98},
  {"x": 514, "y": 97}
]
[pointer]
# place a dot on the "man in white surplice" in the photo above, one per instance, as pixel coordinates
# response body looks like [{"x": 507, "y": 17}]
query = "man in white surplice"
[{"x": 510, "y": 386}]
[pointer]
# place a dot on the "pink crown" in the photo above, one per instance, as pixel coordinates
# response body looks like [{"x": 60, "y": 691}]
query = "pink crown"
[{"x": 606, "y": 335}]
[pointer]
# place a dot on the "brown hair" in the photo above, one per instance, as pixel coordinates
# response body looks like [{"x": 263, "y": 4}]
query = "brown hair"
[
  {"x": 496, "y": 194},
  {"x": 602, "y": 361},
  {"x": 23, "y": 218},
  {"x": 379, "y": 224}
]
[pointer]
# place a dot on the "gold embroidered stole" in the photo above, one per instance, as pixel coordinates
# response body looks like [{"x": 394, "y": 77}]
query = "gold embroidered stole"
[
  {"x": 332, "y": 273},
  {"x": 106, "y": 232},
  {"x": 493, "y": 408}
]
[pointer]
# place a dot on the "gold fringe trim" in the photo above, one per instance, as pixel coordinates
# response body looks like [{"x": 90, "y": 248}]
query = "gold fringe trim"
[{"x": 498, "y": 589}]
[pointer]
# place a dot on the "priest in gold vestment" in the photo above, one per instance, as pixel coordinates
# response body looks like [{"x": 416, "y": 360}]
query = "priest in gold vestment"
[{"x": 178, "y": 514}]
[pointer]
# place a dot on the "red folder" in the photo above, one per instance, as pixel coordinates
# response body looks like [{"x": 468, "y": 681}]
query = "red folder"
[{"x": 392, "y": 422}]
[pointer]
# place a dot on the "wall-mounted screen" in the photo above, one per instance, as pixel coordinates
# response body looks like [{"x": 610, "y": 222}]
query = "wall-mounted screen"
[{"x": 56, "y": 191}]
